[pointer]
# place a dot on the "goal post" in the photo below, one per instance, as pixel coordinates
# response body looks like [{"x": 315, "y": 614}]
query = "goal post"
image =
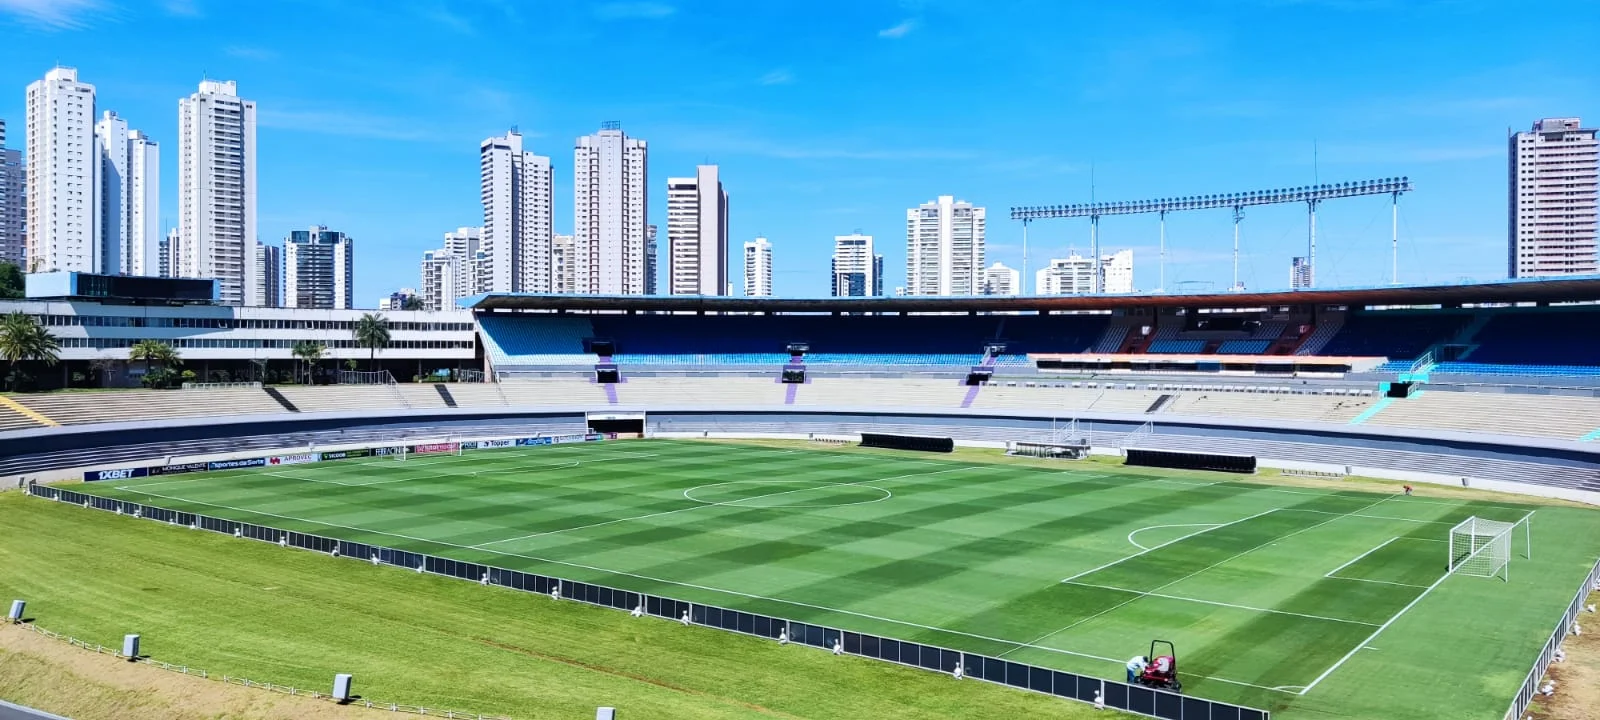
[{"x": 1483, "y": 548}]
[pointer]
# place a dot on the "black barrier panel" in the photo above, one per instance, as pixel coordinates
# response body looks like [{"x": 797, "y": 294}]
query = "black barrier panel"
[
  {"x": 1062, "y": 684},
  {"x": 908, "y": 442},
  {"x": 1192, "y": 460}
]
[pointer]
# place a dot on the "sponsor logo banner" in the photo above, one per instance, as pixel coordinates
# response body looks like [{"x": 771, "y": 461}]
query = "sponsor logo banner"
[
  {"x": 180, "y": 468},
  {"x": 435, "y": 448},
  {"x": 118, "y": 474},
  {"x": 488, "y": 444},
  {"x": 470, "y": 445},
  {"x": 384, "y": 451},
  {"x": 593, "y": 437},
  {"x": 533, "y": 441},
  {"x": 293, "y": 459},
  {"x": 345, "y": 454},
  {"x": 232, "y": 464}
]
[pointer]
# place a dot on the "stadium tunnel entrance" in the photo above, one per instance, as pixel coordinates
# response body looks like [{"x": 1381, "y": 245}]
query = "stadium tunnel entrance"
[{"x": 617, "y": 424}]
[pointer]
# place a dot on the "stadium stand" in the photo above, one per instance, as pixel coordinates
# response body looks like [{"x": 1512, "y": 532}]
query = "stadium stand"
[
  {"x": 1314, "y": 408},
  {"x": 1550, "y": 337},
  {"x": 336, "y": 398},
  {"x": 101, "y": 407},
  {"x": 1393, "y": 334},
  {"x": 543, "y": 340},
  {"x": 705, "y": 392},
  {"x": 561, "y": 391},
  {"x": 13, "y": 420},
  {"x": 1568, "y": 418}
]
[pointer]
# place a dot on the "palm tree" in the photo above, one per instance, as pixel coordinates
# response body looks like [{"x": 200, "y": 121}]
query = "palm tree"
[
  {"x": 411, "y": 302},
  {"x": 153, "y": 351},
  {"x": 308, "y": 351},
  {"x": 22, "y": 338},
  {"x": 372, "y": 332}
]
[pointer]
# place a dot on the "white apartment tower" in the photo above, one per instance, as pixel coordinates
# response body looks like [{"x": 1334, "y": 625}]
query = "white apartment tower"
[
  {"x": 319, "y": 269},
  {"x": 13, "y": 203},
  {"x": 268, "y": 269},
  {"x": 697, "y": 234},
  {"x": 451, "y": 272},
  {"x": 1555, "y": 187},
  {"x": 1299, "y": 274},
  {"x": 611, "y": 202},
  {"x": 758, "y": 268},
  {"x": 127, "y": 204},
  {"x": 857, "y": 270},
  {"x": 517, "y": 199},
  {"x": 63, "y": 172},
  {"x": 563, "y": 263},
  {"x": 217, "y": 189},
  {"x": 1001, "y": 280},
  {"x": 1075, "y": 275},
  {"x": 944, "y": 248}
]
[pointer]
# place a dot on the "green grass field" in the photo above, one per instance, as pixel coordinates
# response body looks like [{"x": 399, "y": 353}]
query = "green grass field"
[{"x": 1310, "y": 603}]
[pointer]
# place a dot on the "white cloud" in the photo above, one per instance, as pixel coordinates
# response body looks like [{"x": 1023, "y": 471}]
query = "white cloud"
[
  {"x": 52, "y": 14},
  {"x": 644, "y": 10},
  {"x": 898, "y": 31},
  {"x": 777, "y": 77}
]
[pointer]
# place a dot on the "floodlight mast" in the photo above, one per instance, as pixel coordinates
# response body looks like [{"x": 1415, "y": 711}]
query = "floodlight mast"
[{"x": 1310, "y": 195}]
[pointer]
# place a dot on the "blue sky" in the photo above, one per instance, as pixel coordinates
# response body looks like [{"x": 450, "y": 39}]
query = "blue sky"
[{"x": 834, "y": 116}]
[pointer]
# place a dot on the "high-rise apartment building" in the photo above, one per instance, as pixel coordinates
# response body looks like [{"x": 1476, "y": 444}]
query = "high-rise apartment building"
[
  {"x": 13, "y": 203},
  {"x": 63, "y": 172},
  {"x": 517, "y": 198},
  {"x": 169, "y": 249},
  {"x": 319, "y": 269},
  {"x": 563, "y": 264},
  {"x": 1299, "y": 274},
  {"x": 650, "y": 265},
  {"x": 758, "y": 268},
  {"x": 1075, "y": 275},
  {"x": 611, "y": 203},
  {"x": 217, "y": 189},
  {"x": 268, "y": 268},
  {"x": 857, "y": 270},
  {"x": 451, "y": 272},
  {"x": 1554, "y": 212},
  {"x": 944, "y": 248},
  {"x": 697, "y": 234},
  {"x": 127, "y": 198},
  {"x": 1001, "y": 280}
]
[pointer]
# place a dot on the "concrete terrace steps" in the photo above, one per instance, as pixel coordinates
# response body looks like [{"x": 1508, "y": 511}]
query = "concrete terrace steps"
[
  {"x": 81, "y": 408},
  {"x": 1554, "y": 416},
  {"x": 335, "y": 398},
  {"x": 1318, "y": 408},
  {"x": 13, "y": 420}
]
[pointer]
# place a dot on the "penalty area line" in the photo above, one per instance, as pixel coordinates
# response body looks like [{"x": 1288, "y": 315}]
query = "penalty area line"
[{"x": 1162, "y": 545}]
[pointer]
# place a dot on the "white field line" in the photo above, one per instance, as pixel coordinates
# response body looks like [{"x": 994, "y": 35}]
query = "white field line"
[
  {"x": 1226, "y": 605},
  {"x": 700, "y": 504},
  {"x": 1208, "y": 526},
  {"x": 707, "y": 588},
  {"x": 1373, "y": 517},
  {"x": 1190, "y": 575},
  {"x": 1384, "y": 626},
  {"x": 1379, "y": 582},
  {"x": 1169, "y": 542},
  {"x": 1357, "y": 558}
]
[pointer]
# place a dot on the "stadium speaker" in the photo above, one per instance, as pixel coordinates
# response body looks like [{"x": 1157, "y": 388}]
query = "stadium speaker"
[
  {"x": 908, "y": 442},
  {"x": 1400, "y": 389},
  {"x": 794, "y": 375},
  {"x": 341, "y": 688},
  {"x": 1192, "y": 460},
  {"x": 17, "y": 608},
  {"x": 130, "y": 647}
]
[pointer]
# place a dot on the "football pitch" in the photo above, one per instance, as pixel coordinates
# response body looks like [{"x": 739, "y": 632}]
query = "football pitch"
[{"x": 1307, "y": 602}]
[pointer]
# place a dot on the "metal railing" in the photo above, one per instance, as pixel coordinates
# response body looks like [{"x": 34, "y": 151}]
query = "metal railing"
[
  {"x": 1135, "y": 699},
  {"x": 219, "y": 385},
  {"x": 1530, "y": 684}
]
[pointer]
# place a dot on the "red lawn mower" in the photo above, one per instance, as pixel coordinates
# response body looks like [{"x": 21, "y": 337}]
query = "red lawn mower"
[{"x": 1162, "y": 671}]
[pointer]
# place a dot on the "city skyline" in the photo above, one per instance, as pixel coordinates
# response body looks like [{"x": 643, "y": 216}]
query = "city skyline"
[{"x": 387, "y": 161}]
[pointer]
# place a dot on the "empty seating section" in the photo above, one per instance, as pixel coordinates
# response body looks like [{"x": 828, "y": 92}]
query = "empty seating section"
[
  {"x": 13, "y": 420},
  {"x": 1326, "y": 329},
  {"x": 708, "y": 392},
  {"x": 546, "y": 340},
  {"x": 1394, "y": 334},
  {"x": 554, "y": 392},
  {"x": 885, "y": 393},
  {"x": 474, "y": 395},
  {"x": 1184, "y": 347},
  {"x": 77, "y": 408},
  {"x": 1246, "y": 347},
  {"x": 1556, "y": 336},
  {"x": 420, "y": 396},
  {"x": 338, "y": 398},
  {"x": 1474, "y": 368},
  {"x": 1311, "y": 408},
  {"x": 1067, "y": 399},
  {"x": 1510, "y": 414},
  {"x": 643, "y": 340}
]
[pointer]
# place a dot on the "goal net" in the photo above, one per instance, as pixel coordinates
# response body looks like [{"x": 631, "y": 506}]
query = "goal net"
[{"x": 1482, "y": 548}]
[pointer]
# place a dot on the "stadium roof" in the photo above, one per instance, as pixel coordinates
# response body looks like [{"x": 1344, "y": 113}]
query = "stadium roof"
[{"x": 1576, "y": 289}]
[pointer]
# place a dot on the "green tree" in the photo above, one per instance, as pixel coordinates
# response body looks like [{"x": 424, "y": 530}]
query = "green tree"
[
  {"x": 372, "y": 332},
  {"x": 11, "y": 282},
  {"x": 411, "y": 302},
  {"x": 308, "y": 352},
  {"x": 154, "y": 352},
  {"x": 22, "y": 340}
]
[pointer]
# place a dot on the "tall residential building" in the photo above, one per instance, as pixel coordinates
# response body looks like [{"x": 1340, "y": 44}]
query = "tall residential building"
[
  {"x": 63, "y": 169},
  {"x": 758, "y": 268},
  {"x": 944, "y": 248},
  {"x": 217, "y": 189},
  {"x": 268, "y": 268},
  {"x": 451, "y": 272},
  {"x": 611, "y": 203},
  {"x": 169, "y": 249},
  {"x": 563, "y": 264},
  {"x": 1001, "y": 280},
  {"x": 398, "y": 299},
  {"x": 1299, "y": 274},
  {"x": 517, "y": 198},
  {"x": 1075, "y": 275},
  {"x": 127, "y": 202},
  {"x": 1555, "y": 187},
  {"x": 697, "y": 234},
  {"x": 650, "y": 265},
  {"x": 857, "y": 270},
  {"x": 318, "y": 269},
  {"x": 13, "y": 203}
]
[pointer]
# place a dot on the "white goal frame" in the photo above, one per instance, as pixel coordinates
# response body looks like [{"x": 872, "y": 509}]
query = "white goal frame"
[{"x": 1483, "y": 548}]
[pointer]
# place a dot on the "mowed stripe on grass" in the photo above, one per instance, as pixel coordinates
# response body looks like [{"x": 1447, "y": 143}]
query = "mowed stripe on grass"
[{"x": 969, "y": 556}]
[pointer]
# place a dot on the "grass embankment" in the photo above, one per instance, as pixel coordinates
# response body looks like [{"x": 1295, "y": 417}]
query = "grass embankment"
[{"x": 296, "y": 618}]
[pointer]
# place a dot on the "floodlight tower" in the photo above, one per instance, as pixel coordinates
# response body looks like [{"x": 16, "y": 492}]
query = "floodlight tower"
[{"x": 1238, "y": 215}]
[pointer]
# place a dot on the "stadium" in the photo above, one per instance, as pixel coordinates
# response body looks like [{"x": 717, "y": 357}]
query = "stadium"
[{"x": 1018, "y": 493}]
